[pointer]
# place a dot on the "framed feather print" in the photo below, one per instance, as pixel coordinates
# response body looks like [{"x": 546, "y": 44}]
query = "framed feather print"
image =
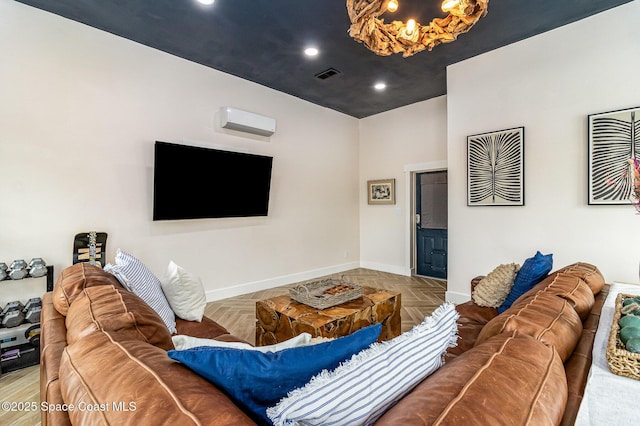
[
  {"x": 614, "y": 139},
  {"x": 495, "y": 168}
]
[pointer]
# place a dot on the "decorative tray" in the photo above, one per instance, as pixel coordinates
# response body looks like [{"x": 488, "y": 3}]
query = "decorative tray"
[
  {"x": 325, "y": 293},
  {"x": 621, "y": 361}
]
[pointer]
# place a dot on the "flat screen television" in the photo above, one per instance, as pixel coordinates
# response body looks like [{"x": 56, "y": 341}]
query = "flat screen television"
[{"x": 190, "y": 182}]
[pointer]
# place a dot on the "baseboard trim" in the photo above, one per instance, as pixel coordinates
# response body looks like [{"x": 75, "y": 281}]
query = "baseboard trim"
[
  {"x": 457, "y": 298},
  {"x": 382, "y": 267},
  {"x": 227, "y": 292}
]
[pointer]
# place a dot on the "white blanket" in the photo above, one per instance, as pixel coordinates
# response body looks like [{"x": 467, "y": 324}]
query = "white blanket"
[{"x": 608, "y": 399}]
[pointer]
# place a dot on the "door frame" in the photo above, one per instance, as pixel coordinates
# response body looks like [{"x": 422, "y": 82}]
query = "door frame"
[{"x": 410, "y": 171}]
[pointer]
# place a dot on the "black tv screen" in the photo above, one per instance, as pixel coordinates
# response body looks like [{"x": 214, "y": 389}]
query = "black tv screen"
[{"x": 194, "y": 183}]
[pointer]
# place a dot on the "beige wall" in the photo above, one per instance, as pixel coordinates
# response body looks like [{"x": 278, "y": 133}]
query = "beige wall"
[
  {"x": 79, "y": 115},
  {"x": 549, "y": 84},
  {"x": 392, "y": 144},
  {"x": 81, "y": 109}
]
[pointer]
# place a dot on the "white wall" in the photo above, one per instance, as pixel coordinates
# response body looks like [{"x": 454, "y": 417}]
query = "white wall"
[
  {"x": 79, "y": 113},
  {"x": 549, "y": 84},
  {"x": 81, "y": 109},
  {"x": 408, "y": 138}
]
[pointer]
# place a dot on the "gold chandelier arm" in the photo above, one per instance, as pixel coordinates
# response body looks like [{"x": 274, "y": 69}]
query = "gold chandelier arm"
[{"x": 386, "y": 39}]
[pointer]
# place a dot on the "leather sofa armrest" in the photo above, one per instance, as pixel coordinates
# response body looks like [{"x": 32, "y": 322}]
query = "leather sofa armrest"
[
  {"x": 475, "y": 281},
  {"x": 578, "y": 365},
  {"x": 52, "y": 343}
]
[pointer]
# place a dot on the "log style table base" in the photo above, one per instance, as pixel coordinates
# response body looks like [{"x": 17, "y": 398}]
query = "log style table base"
[{"x": 281, "y": 318}]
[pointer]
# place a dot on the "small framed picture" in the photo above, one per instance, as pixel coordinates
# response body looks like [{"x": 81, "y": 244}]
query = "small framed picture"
[{"x": 381, "y": 191}]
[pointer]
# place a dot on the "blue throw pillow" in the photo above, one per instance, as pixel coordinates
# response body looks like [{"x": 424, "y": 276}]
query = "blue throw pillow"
[
  {"x": 531, "y": 273},
  {"x": 256, "y": 380}
]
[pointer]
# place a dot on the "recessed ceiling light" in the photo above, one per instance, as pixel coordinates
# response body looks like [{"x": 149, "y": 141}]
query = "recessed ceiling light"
[
  {"x": 207, "y": 2},
  {"x": 380, "y": 86},
  {"x": 311, "y": 51}
]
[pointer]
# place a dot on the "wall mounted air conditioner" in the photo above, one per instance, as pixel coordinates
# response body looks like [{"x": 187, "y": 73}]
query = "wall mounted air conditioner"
[{"x": 243, "y": 121}]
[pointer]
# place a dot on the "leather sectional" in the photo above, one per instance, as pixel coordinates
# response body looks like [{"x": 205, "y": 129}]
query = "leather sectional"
[{"x": 104, "y": 349}]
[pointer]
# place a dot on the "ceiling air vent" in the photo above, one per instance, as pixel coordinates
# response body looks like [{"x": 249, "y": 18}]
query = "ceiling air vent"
[{"x": 330, "y": 72}]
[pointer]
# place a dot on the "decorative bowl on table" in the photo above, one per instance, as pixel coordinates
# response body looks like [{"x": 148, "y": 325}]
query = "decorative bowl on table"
[
  {"x": 326, "y": 293},
  {"x": 621, "y": 360}
]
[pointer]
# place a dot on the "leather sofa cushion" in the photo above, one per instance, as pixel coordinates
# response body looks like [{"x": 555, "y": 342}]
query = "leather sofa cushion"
[
  {"x": 475, "y": 313},
  {"x": 205, "y": 329},
  {"x": 115, "y": 309},
  {"x": 567, "y": 286},
  {"x": 74, "y": 279},
  {"x": 468, "y": 332},
  {"x": 589, "y": 273},
  {"x": 111, "y": 367},
  {"x": 510, "y": 379},
  {"x": 545, "y": 317},
  {"x": 471, "y": 321}
]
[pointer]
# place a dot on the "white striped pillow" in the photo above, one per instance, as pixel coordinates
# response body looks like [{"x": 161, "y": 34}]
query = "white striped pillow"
[
  {"x": 137, "y": 278},
  {"x": 360, "y": 390}
]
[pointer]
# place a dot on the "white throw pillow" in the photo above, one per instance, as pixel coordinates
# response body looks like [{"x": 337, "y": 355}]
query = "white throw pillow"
[
  {"x": 361, "y": 389},
  {"x": 138, "y": 279},
  {"x": 181, "y": 342},
  {"x": 184, "y": 292}
]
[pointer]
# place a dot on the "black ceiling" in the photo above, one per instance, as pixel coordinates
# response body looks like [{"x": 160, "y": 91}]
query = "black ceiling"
[{"x": 262, "y": 41}]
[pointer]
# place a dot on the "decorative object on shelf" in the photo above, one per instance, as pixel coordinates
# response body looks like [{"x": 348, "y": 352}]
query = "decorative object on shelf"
[
  {"x": 635, "y": 195},
  {"x": 37, "y": 267},
  {"x": 18, "y": 270},
  {"x": 90, "y": 247},
  {"x": 495, "y": 168},
  {"x": 412, "y": 37},
  {"x": 381, "y": 191},
  {"x": 621, "y": 360},
  {"x": 3, "y": 271},
  {"x": 613, "y": 139},
  {"x": 326, "y": 293}
]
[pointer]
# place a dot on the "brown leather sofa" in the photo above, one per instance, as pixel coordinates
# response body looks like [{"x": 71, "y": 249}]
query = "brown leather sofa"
[
  {"x": 526, "y": 366},
  {"x": 103, "y": 351}
]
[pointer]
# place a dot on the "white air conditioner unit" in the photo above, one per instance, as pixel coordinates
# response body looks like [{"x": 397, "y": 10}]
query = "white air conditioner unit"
[{"x": 236, "y": 119}]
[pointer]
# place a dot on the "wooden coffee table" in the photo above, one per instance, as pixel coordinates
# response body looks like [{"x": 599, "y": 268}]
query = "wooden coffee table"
[{"x": 281, "y": 318}]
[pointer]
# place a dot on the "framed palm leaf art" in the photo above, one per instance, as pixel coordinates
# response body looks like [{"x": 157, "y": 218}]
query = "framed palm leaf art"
[
  {"x": 495, "y": 168},
  {"x": 614, "y": 139}
]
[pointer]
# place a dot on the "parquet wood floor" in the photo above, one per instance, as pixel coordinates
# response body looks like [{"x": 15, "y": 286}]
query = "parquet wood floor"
[{"x": 420, "y": 296}]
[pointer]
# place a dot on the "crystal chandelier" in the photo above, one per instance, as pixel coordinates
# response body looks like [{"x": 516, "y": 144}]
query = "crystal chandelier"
[{"x": 411, "y": 37}]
